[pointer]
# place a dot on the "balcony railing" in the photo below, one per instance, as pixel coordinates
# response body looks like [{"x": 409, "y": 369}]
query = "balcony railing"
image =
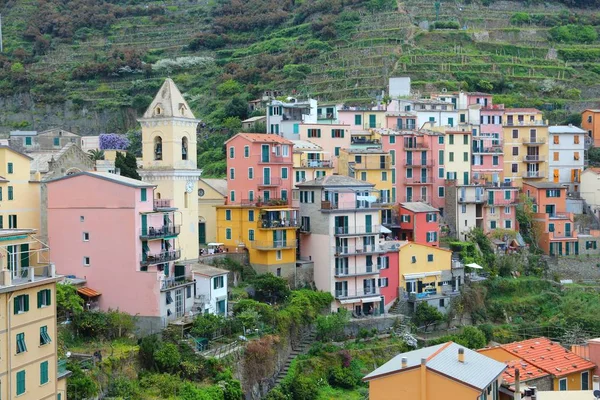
[
  {"x": 534, "y": 140},
  {"x": 372, "y": 126},
  {"x": 278, "y": 223},
  {"x": 273, "y": 181},
  {"x": 371, "y": 164},
  {"x": 159, "y": 258},
  {"x": 61, "y": 368},
  {"x": 316, "y": 163},
  {"x": 368, "y": 270},
  {"x": 349, "y": 205},
  {"x": 392, "y": 221},
  {"x": 418, "y": 180},
  {"x": 163, "y": 203},
  {"x": 269, "y": 202},
  {"x": 418, "y": 163},
  {"x": 274, "y": 244},
  {"x": 172, "y": 282},
  {"x": 405, "y": 127},
  {"x": 160, "y": 232},
  {"x": 471, "y": 199},
  {"x": 526, "y": 123},
  {"x": 350, "y": 294},
  {"x": 534, "y": 158},
  {"x": 274, "y": 159},
  {"x": 410, "y": 145},
  {"x": 354, "y": 250},
  {"x": 357, "y": 230},
  {"x": 533, "y": 174},
  {"x": 501, "y": 202},
  {"x": 409, "y": 199},
  {"x": 488, "y": 150},
  {"x": 562, "y": 236},
  {"x": 362, "y": 140},
  {"x": 560, "y": 216}
]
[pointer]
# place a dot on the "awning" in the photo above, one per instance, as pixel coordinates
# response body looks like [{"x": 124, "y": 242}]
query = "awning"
[
  {"x": 348, "y": 301},
  {"x": 371, "y": 300},
  {"x": 474, "y": 266},
  {"x": 278, "y": 209},
  {"x": 383, "y": 229},
  {"x": 370, "y": 199},
  {"x": 215, "y": 244},
  {"x": 422, "y": 275},
  {"x": 87, "y": 292}
]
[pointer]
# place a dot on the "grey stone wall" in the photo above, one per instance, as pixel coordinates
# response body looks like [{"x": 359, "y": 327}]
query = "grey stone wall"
[
  {"x": 450, "y": 208},
  {"x": 577, "y": 268},
  {"x": 542, "y": 384}
]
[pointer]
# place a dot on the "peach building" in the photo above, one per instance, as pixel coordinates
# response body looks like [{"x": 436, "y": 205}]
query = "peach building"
[
  {"x": 123, "y": 242},
  {"x": 590, "y": 122}
]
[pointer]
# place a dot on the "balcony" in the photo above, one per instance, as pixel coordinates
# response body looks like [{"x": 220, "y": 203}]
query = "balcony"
[
  {"x": 533, "y": 158},
  {"x": 274, "y": 244},
  {"x": 356, "y": 230},
  {"x": 533, "y": 174},
  {"x": 370, "y": 164},
  {"x": 371, "y": 126},
  {"x": 418, "y": 163},
  {"x": 163, "y": 204},
  {"x": 414, "y": 198},
  {"x": 269, "y": 182},
  {"x": 259, "y": 202},
  {"x": 392, "y": 221},
  {"x": 279, "y": 224},
  {"x": 431, "y": 294},
  {"x": 28, "y": 274},
  {"x": 410, "y": 145},
  {"x": 407, "y": 127},
  {"x": 420, "y": 180},
  {"x": 560, "y": 216},
  {"x": 526, "y": 123},
  {"x": 572, "y": 235},
  {"x": 170, "y": 283},
  {"x": 363, "y": 140},
  {"x": 152, "y": 232},
  {"x": 274, "y": 159},
  {"x": 356, "y": 294},
  {"x": 159, "y": 258},
  {"x": 350, "y": 205},
  {"x": 501, "y": 202},
  {"x": 496, "y": 149},
  {"x": 471, "y": 199},
  {"x": 316, "y": 163},
  {"x": 344, "y": 272},
  {"x": 357, "y": 250},
  {"x": 534, "y": 141}
]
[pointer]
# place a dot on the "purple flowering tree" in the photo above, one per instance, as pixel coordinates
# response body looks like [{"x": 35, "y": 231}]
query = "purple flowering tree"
[{"x": 113, "y": 141}]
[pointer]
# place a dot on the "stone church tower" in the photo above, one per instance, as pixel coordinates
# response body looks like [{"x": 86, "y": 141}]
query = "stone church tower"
[{"x": 169, "y": 160}]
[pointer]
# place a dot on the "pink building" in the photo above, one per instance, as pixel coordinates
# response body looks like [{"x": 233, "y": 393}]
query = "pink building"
[
  {"x": 110, "y": 231},
  {"x": 419, "y": 223},
  {"x": 330, "y": 137},
  {"x": 500, "y": 207},
  {"x": 259, "y": 166},
  {"x": 389, "y": 269},
  {"x": 401, "y": 120},
  {"x": 418, "y": 159}
]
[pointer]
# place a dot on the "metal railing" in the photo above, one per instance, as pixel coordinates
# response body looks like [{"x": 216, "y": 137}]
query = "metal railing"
[
  {"x": 488, "y": 150},
  {"x": 172, "y": 282},
  {"x": 533, "y": 174},
  {"x": 350, "y": 205},
  {"x": 316, "y": 163},
  {"x": 534, "y": 158},
  {"x": 361, "y": 140},
  {"x": 410, "y": 199},
  {"x": 274, "y": 159},
  {"x": 159, "y": 258},
  {"x": 368, "y": 270},
  {"x": 501, "y": 202},
  {"x": 348, "y": 294},
  {"x": 272, "y": 201},
  {"x": 534, "y": 140},
  {"x": 418, "y": 180},
  {"x": 412, "y": 145},
  {"x": 279, "y": 223},
  {"x": 418, "y": 163},
  {"x": 526, "y": 123},
  {"x": 357, "y": 230},
  {"x": 163, "y": 203},
  {"x": 408, "y": 127},
  {"x": 371, "y": 164},
  {"x": 274, "y": 244},
  {"x": 372, "y": 126},
  {"x": 560, "y": 216},
  {"x": 353, "y": 250},
  {"x": 273, "y": 181},
  {"x": 471, "y": 199},
  {"x": 160, "y": 232}
]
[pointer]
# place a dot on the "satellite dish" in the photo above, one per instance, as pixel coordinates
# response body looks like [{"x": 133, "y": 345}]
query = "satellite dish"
[{"x": 597, "y": 394}]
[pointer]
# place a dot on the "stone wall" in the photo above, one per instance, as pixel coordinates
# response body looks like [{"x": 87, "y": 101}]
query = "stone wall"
[
  {"x": 577, "y": 268},
  {"x": 450, "y": 208}
]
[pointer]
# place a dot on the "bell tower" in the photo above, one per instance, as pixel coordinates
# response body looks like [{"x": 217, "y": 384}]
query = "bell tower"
[{"x": 169, "y": 159}]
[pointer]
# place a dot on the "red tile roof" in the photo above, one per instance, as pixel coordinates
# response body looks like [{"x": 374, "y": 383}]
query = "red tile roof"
[
  {"x": 548, "y": 356},
  {"x": 528, "y": 371},
  {"x": 262, "y": 138},
  {"x": 86, "y": 291}
]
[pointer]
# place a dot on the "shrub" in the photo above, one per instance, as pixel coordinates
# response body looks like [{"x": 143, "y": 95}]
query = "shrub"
[
  {"x": 123, "y": 387},
  {"x": 167, "y": 357},
  {"x": 331, "y": 327},
  {"x": 206, "y": 325},
  {"x": 80, "y": 386},
  {"x": 520, "y": 18},
  {"x": 304, "y": 388},
  {"x": 342, "y": 377},
  {"x": 446, "y": 25},
  {"x": 270, "y": 288},
  {"x": 574, "y": 34},
  {"x": 113, "y": 141},
  {"x": 426, "y": 315}
]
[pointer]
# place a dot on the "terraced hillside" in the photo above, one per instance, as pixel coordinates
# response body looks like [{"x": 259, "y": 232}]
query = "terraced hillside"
[{"x": 99, "y": 78}]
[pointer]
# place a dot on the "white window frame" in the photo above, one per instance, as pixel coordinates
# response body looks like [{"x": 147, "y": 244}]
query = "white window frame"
[
  {"x": 86, "y": 236},
  {"x": 86, "y": 261},
  {"x": 506, "y": 210},
  {"x": 285, "y": 150}
]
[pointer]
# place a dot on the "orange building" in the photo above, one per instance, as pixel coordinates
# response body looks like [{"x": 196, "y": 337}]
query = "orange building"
[
  {"x": 541, "y": 356},
  {"x": 590, "y": 121},
  {"x": 555, "y": 226},
  {"x": 447, "y": 371}
]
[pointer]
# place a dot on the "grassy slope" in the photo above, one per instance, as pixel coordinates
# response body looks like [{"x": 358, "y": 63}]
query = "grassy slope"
[{"x": 353, "y": 68}]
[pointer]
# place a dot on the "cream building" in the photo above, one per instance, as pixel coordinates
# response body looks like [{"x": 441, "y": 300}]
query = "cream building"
[
  {"x": 169, "y": 159},
  {"x": 458, "y": 150},
  {"x": 211, "y": 193},
  {"x": 566, "y": 149}
]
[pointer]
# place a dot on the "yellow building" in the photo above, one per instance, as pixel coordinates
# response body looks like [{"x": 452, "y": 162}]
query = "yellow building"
[
  {"x": 427, "y": 275},
  {"x": 371, "y": 165},
  {"x": 310, "y": 161},
  {"x": 19, "y": 195},
  {"x": 266, "y": 232},
  {"x": 29, "y": 367},
  {"x": 446, "y": 371},
  {"x": 211, "y": 193},
  {"x": 169, "y": 159},
  {"x": 458, "y": 150},
  {"x": 525, "y": 145}
]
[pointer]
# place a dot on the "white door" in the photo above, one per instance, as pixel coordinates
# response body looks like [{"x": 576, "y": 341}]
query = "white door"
[{"x": 179, "y": 303}]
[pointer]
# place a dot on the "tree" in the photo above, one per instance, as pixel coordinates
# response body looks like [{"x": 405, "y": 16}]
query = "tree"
[
  {"x": 270, "y": 288},
  {"x": 426, "y": 315},
  {"x": 237, "y": 107},
  {"x": 167, "y": 357},
  {"x": 113, "y": 141},
  {"x": 80, "y": 386},
  {"x": 127, "y": 164},
  {"x": 96, "y": 154},
  {"x": 527, "y": 228},
  {"x": 67, "y": 300},
  {"x": 135, "y": 142},
  {"x": 331, "y": 327},
  {"x": 472, "y": 337}
]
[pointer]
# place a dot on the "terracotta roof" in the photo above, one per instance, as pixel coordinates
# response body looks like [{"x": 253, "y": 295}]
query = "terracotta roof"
[
  {"x": 522, "y": 110},
  {"x": 262, "y": 138},
  {"x": 548, "y": 356},
  {"x": 528, "y": 371},
  {"x": 86, "y": 291}
]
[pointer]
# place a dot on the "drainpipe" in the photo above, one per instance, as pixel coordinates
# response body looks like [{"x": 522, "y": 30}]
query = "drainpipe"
[
  {"x": 517, "y": 384},
  {"x": 8, "y": 298},
  {"x": 423, "y": 379}
]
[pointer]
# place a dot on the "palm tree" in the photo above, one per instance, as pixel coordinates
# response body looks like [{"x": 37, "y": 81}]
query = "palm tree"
[{"x": 96, "y": 154}]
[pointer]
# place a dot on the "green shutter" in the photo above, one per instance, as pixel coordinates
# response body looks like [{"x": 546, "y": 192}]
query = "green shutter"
[
  {"x": 20, "y": 382},
  {"x": 44, "y": 373},
  {"x": 39, "y": 298},
  {"x": 144, "y": 195},
  {"x": 48, "y": 297},
  {"x": 25, "y": 255},
  {"x": 26, "y": 296},
  {"x": 16, "y": 304}
]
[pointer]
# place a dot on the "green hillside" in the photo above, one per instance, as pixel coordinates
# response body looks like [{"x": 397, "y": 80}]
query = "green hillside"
[{"x": 102, "y": 60}]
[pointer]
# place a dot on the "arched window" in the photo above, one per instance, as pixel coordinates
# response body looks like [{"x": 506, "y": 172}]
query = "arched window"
[
  {"x": 157, "y": 110},
  {"x": 184, "y": 148},
  {"x": 158, "y": 148},
  {"x": 158, "y": 195}
]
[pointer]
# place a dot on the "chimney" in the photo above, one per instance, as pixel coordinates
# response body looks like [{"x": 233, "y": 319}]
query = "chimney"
[
  {"x": 517, "y": 384},
  {"x": 596, "y": 382},
  {"x": 423, "y": 379},
  {"x": 404, "y": 362},
  {"x": 461, "y": 355}
]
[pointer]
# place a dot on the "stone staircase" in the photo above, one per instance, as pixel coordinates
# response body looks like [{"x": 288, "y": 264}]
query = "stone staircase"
[{"x": 307, "y": 340}]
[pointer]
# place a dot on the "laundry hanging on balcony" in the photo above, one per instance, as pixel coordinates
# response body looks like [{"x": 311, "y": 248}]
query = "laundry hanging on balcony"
[{"x": 370, "y": 199}]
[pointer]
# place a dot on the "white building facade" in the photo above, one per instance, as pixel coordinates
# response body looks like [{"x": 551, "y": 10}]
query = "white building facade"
[
  {"x": 284, "y": 118},
  {"x": 566, "y": 156},
  {"x": 211, "y": 289}
]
